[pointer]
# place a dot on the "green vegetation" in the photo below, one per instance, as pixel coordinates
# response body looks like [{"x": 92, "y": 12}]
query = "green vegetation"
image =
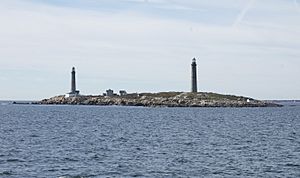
[{"x": 161, "y": 94}]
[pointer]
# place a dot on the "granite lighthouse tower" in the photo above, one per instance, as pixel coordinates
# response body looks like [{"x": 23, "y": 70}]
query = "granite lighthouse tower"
[
  {"x": 73, "y": 80},
  {"x": 194, "y": 88},
  {"x": 73, "y": 92}
]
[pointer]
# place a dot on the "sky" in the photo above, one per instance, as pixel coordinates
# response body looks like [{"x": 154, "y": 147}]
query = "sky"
[{"x": 242, "y": 47}]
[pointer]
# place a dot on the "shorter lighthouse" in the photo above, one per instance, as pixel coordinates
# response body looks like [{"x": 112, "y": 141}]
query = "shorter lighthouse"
[
  {"x": 194, "y": 88},
  {"x": 73, "y": 92}
]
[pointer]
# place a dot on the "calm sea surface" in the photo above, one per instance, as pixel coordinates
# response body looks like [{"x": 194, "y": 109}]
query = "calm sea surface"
[{"x": 88, "y": 141}]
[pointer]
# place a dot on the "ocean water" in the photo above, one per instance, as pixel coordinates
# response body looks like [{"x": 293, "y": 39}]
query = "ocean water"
[{"x": 92, "y": 141}]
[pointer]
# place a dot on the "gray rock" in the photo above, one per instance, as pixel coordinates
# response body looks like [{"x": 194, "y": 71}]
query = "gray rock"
[{"x": 164, "y": 99}]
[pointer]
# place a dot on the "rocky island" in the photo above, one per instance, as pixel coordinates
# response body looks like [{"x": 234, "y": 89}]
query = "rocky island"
[{"x": 162, "y": 99}]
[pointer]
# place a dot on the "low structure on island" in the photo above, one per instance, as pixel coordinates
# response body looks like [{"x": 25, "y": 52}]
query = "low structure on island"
[
  {"x": 161, "y": 99},
  {"x": 109, "y": 92},
  {"x": 123, "y": 93}
]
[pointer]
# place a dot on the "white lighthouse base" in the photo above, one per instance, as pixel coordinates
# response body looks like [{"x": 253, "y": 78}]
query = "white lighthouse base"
[{"x": 72, "y": 94}]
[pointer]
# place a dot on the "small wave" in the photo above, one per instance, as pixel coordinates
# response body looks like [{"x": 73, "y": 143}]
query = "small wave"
[
  {"x": 5, "y": 173},
  {"x": 137, "y": 175},
  {"x": 33, "y": 136},
  {"x": 189, "y": 143},
  {"x": 15, "y": 160},
  {"x": 52, "y": 170},
  {"x": 71, "y": 160},
  {"x": 181, "y": 160},
  {"x": 292, "y": 165},
  {"x": 69, "y": 176},
  {"x": 67, "y": 169}
]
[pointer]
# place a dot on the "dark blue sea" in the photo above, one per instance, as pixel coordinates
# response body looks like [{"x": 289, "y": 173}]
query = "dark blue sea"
[{"x": 93, "y": 141}]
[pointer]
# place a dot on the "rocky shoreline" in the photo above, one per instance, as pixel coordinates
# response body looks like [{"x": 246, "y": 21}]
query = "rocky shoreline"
[{"x": 163, "y": 99}]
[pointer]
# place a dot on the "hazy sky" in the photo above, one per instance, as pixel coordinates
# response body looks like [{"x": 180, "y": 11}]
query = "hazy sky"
[{"x": 243, "y": 47}]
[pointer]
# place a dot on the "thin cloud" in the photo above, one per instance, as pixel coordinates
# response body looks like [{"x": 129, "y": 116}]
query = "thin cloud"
[
  {"x": 243, "y": 13},
  {"x": 135, "y": 43},
  {"x": 297, "y": 4}
]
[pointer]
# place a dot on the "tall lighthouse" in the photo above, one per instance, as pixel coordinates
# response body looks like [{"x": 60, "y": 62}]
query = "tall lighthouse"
[
  {"x": 194, "y": 77},
  {"x": 73, "y": 81},
  {"x": 73, "y": 92}
]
